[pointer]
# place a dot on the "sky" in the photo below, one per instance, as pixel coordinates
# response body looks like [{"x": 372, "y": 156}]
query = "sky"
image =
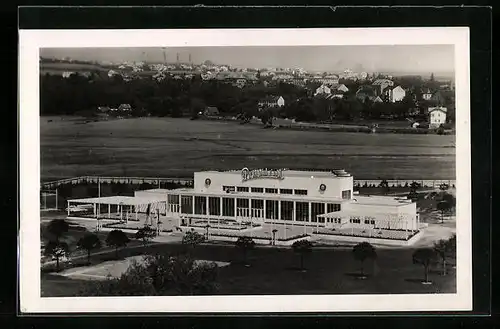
[{"x": 422, "y": 59}]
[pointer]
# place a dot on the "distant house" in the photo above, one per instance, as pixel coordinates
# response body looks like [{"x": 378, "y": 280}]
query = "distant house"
[
  {"x": 323, "y": 89},
  {"x": 427, "y": 95},
  {"x": 437, "y": 116},
  {"x": 366, "y": 92},
  {"x": 381, "y": 85},
  {"x": 397, "y": 94},
  {"x": 342, "y": 88},
  {"x": 272, "y": 101},
  {"x": 103, "y": 109},
  {"x": 211, "y": 111},
  {"x": 125, "y": 108},
  {"x": 67, "y": 74}
]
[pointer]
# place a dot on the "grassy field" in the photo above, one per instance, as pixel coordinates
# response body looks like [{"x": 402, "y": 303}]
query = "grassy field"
[
  {"x": 166, "y": 147},
  {"x": 275, "y": 271}
]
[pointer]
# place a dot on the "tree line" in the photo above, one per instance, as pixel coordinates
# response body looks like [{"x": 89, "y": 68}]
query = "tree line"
[{"x": 82, "y": 95}]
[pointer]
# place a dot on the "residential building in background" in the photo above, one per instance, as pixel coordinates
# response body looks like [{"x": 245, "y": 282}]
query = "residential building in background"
[{"x": 437, "y": 116}]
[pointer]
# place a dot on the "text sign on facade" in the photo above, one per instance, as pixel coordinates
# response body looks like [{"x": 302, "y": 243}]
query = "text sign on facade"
[{"x": 247, "y": 174}]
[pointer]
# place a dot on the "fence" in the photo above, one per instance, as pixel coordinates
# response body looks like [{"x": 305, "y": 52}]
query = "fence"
[{"x": 158, "y": 181}]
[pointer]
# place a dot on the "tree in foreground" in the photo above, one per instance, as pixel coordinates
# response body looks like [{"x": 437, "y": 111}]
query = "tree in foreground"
[
  {"x": 363, "y": 251},
  {"x": 442, "y": 249},
  {"x": 452, "y": 246},
  {"x": 159, "y": 275},
  {"x": 443, "y": 207},
  {"x": 302, "y": 247},
  {"x": 56, "y": 250},
  {"x": 117, "y": 239},
  {"x": 245, "y": 243},
  {"x": 145, "y": 234},
  {"x": 57, "y": 228},
  {"x": 89, "y": 242},
  {"x": 192, "y": 238},
  {"x": 424, "y": 257}
]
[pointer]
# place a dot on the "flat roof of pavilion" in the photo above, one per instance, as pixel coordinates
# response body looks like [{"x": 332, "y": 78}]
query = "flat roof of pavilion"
[{"x": 117, "y": 200}]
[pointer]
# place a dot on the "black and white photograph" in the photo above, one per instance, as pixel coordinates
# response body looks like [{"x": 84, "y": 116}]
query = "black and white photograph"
[{"x": 245, "y": 170}]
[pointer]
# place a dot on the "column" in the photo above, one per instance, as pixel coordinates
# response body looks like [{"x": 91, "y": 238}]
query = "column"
[
  {"x": 68, "y": 209},
  {"x": 265, "y": 201},
  {"x": 294, "y": 217},
  {"x": 126, "y": 215},
  {"x": 235, "y": 209},
  {"x": 135, "y": 208},
  {"x": 95, "y": 213},
  {"x": 57, "y": 197},
  {"x": 192, "y": 204},
  {"x": 206, "y": 206},
  {"x": 220, "y": 206},
  {"x": 279, "y": 210},
  {"x": 109, "y": 210}
]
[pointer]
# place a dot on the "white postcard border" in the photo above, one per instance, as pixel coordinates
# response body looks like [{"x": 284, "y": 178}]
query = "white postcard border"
[{"x": 29, "y": 249}]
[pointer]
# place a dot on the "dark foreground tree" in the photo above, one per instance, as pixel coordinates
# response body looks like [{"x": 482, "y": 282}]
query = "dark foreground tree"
[
  {"x": 89, "y": 242},
  {"x": 363, "y": 251},
  {"x": 245, "y": 243},
  {"x": 57, "y": 228},
  {"x": 192, "y": 239},
  {"x": 145, "y": 234},
  {"x": 424, "y": 257},
  {"x": 117, "y": 239},
  {"x": 159, "y": 275},
  {"x": 302, "y": 247},
  {"x": 56, "y": 250},
  {"x": 443, "y": 207}
]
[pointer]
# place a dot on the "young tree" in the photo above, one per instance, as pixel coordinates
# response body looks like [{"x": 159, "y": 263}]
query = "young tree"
[
  {"x": 245, "y": 243},
  {"x": 117, "y": 239},
  {"x": 302, "y": 247},
  {"x": 145, "y": 234},
  {"x": 57, "y": 250},
  {"x": 424, "y": 257},
  {"x": 192, "y": 238},
  {"x": 443, "y": 207},
  {"x": 363, "y": 251},
  {"x": 57, "y": 228},
  {"x": 89, "y": 242},
  {"x": 442, "y": 249}
]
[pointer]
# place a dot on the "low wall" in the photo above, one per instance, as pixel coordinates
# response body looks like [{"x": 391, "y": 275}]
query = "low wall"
[
  {"x": 259, "y": 241},
  {"x": 387, "y": 242}
]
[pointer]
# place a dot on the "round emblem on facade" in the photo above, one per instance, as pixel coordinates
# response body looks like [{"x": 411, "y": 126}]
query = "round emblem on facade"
[
  {"x": 322, "y": 187},
  {"x": 208, "y": 181}
]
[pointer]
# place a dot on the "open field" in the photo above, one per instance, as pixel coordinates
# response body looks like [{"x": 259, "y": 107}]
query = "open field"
[
  {"x": 158, "y": 147},
  {"x": 274, "y": 271}
]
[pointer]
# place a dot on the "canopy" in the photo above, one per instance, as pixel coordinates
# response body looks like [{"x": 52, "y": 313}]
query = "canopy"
[{"x": 119, "y": 200}]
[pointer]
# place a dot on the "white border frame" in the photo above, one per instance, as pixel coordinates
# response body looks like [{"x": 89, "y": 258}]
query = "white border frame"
[{"x": 29, "y": 283}]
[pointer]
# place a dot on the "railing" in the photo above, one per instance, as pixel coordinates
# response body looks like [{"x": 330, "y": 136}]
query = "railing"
[{"x": 184, "y": 180}]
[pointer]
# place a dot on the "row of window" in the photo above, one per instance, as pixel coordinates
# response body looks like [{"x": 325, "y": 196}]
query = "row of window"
[
  {"x": 356, "y": 220},
  {"x": 262, "y": 190}
]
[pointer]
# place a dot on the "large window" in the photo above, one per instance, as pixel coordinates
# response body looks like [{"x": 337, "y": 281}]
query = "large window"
[
  {"x": 286, "y": 191},
  {"x": 332, "y": 207},
  {"x": 200, "y": 205},
  {"x": 242, "y": 189},
  {"x": 272, "y": 190},
  {"x": 173, "y": 199},
  {"x": 257, "y": 190},
  {"x": 228, "y": 207},
  {"x": 346, "y": 194},
  {"x": 242, "y": 203},
  {"x": 316, "y": 209},
  {"x": 302, "y": 211},
  {"x": 300, "y": 192},
  {"x": 271, "y": 209},
  {"x": 286, "y": 210},
  {"x": 214, "y": 206},
  {"x": 186, "y": 204},
  {"x": 228, "y": 189}
]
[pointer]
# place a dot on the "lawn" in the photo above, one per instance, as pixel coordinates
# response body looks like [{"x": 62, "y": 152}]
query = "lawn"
[
  {"x": 275, "y": 271},
  {"x": 165, "y": 147}
]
